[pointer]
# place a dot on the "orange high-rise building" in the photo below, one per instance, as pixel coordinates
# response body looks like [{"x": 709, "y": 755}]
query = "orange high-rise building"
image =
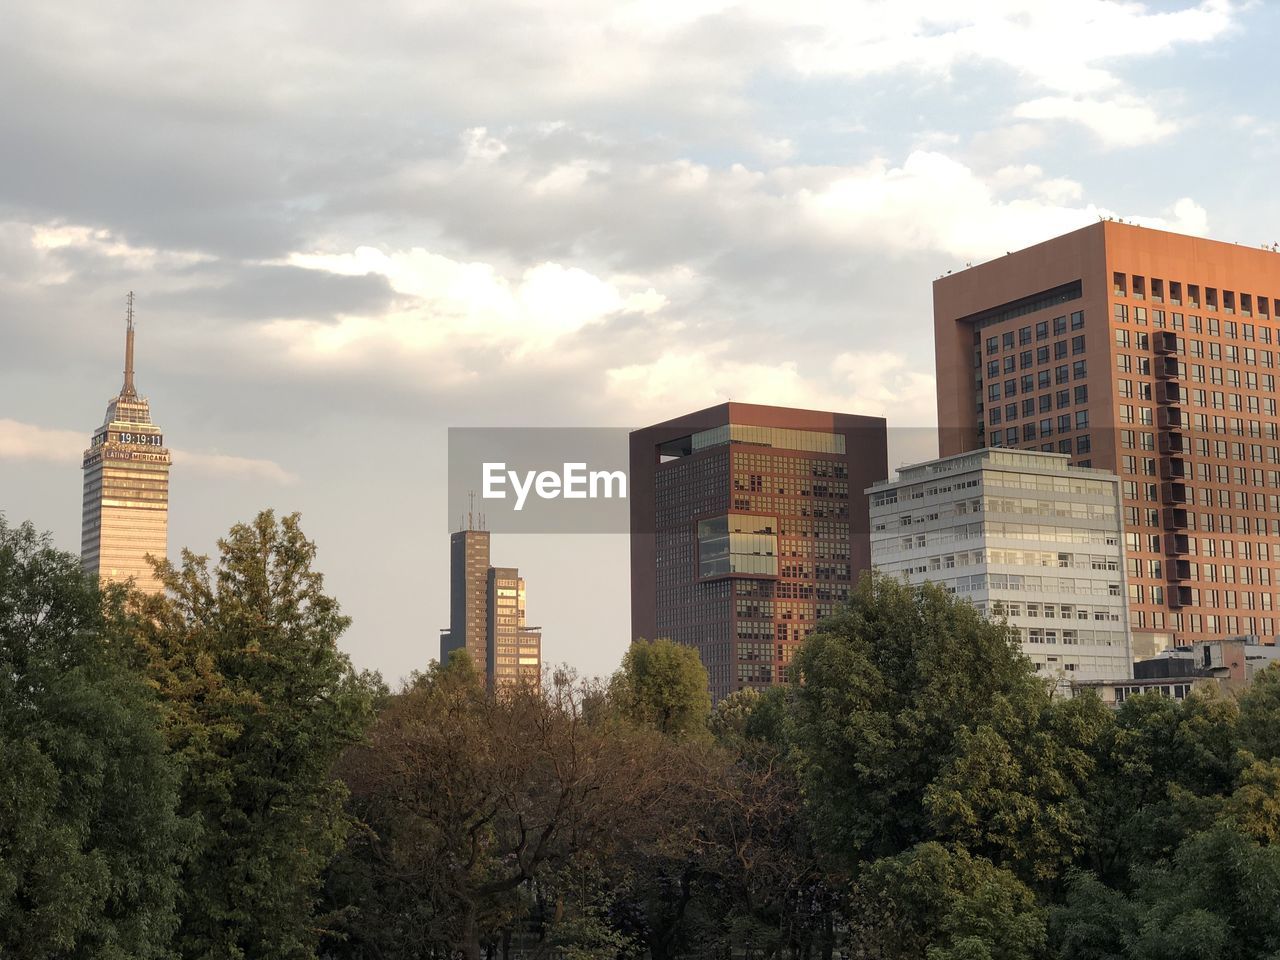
[{"x": 1152, "y": 355}]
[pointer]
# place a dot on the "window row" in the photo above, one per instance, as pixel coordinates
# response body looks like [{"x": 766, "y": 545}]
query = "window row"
[{"x": 1176, "y": 292}]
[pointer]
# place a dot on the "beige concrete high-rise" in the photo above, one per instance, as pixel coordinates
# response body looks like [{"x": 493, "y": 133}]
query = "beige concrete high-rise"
[
  {"x": 126, "y": 487},
  {"x": 486, "y": 614},
  {"x": 514, "y": 648}
]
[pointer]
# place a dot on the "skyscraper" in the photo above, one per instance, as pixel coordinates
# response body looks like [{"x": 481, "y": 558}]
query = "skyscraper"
[
  {"x": 1151, "y": 355},
  {"x": 126, "y": 487},
  {"x": 748, "y": 525},
  {"x": 487, "y": 614},
  {"x": 514, "y": 649},
  {"x": 468, "y": 597}
]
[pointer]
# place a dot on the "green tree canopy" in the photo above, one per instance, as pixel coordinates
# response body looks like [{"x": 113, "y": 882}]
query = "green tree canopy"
[
  {"x": 259, "y": 704},
  {"x": 1164, "y": 770},
  {"x": 1260, "y": 715},
  {"x": 941, "y": 903},
  {"x": 1214, "y": 900},
  {"x": 915, "y": 719},
  {"x": 89, "y": 837},
  {"x": 663, "y": 685}
]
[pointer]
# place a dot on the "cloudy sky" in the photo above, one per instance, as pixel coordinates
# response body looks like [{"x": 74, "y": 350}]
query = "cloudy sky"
[{"x": 352, "y": 226}]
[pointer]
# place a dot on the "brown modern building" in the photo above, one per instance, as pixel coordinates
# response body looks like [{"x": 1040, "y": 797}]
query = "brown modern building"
[
  {"x": 486, "y": 614},
  {"x": 125, "y": 512},
  {"x": 1152, "y": 355},
  {"x": 748, "y": 525}
]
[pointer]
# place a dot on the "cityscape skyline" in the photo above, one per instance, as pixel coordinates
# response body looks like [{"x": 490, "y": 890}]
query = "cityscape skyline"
[{"x": 337, "y": 262}]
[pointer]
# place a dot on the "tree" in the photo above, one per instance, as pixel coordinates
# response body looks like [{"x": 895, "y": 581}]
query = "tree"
[
  {"x": 917, "y": 719},
  {"x": 485, "y": 813},
  {"x": 1260, "y": 715},
  {"x": 663, "y": 684},
  {"x": 89, "y": 838},
  {"x": 758, "y": 861},
  {"x": 1163, "y": 772},
  {"x": 940, "y": 902},
  {"x": 1214, "y": 900},
  {"x": 1254, "y": 807},
  {"x": 259, "y": 703}
]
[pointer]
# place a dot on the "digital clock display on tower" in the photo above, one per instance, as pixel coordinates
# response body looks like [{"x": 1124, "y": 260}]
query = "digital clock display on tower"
[{"x": 147, "y": 439}]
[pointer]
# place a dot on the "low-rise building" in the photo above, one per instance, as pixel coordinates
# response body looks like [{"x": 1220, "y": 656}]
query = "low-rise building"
[
  {"x": 1232, "y": 661},
  {"x": 1225, "y": 665},
  {"x": 1115, "y": 692}
]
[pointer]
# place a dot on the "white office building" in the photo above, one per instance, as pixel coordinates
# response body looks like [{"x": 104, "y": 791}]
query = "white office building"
[{"x": 1023, "y": 536}]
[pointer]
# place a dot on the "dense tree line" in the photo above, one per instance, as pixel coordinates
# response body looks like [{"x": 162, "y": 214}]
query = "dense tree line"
[{"x": 203, "y": 775}]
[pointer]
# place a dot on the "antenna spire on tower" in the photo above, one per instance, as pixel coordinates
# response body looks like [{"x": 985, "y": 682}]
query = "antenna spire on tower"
[{"x": 129, "y": 390}]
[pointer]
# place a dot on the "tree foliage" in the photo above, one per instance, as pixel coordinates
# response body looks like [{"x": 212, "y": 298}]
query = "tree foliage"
[
  {"x": 917, "y": 720},
  {"x": 1214, "y": 900},
  {"x": 944, "y": 903},
  {"x": 203, "y": 775},
  {"x": 478, "y": 808},
  {"x": 259, "y": 703},
  {"x": 89, "y": 838},
  {"x": 663, "y": 685}
]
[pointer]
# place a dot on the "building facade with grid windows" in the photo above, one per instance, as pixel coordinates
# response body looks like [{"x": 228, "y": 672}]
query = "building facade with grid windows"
[
  {"x": 748, "y": 526},
  {"x": 1024, "y": 537},
  {"x": 487, "y": 614},
  {"x": 1151, "y": 355}
]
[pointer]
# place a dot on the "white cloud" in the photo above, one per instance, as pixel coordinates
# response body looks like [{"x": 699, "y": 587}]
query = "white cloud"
[
  {"x": 881, "y": 383},
  {"x": 105, "y": 243},
  {"x": 1123, "y": 121},
  {"x": 1060, "y": 46},
  {"x": 875, "y": 383},
  {"x": 221, "y": 464},
  {"x": 477, "y": 145},
  {"x": 30, "y": 442},
  {"x": 1185, "y": 216},
  {"x": 449, "y": 305},
  {"x": 25, "y": 441},
  {"x": 934, "y": 202}
]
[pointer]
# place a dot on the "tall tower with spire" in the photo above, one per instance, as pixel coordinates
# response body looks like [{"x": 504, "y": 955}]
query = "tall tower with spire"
[{"x": 126, "y": 486}]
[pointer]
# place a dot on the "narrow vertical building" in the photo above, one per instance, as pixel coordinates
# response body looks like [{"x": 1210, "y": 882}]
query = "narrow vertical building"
[
  {"x": 468, "y": 597},
  {"x": 514, "y": 649},
  {"x": 748, "y": 526},
  {"x": 1024, "y": 537},
  {"x": 1151, "y": 355},
  {"x": 487, "y": 615},
  {"x": 125, "y": 515}
]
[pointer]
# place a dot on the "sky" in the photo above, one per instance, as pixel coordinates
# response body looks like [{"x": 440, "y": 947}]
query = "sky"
[{"x": 350, "y": 227}]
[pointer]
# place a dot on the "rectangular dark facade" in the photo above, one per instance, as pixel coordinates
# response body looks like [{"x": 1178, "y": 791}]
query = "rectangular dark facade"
[
  {"x": 1152, "y": 355},
  {"x": 468, "y": 597},
  {"x": 748, "y": 525}
]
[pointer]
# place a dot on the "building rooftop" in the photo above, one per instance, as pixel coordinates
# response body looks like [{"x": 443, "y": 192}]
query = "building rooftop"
[{"x": 1027, "y": 460}]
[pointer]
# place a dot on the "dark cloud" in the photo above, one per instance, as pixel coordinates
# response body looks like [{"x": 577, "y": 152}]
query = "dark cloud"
[{"x": 249, "y": 292}]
